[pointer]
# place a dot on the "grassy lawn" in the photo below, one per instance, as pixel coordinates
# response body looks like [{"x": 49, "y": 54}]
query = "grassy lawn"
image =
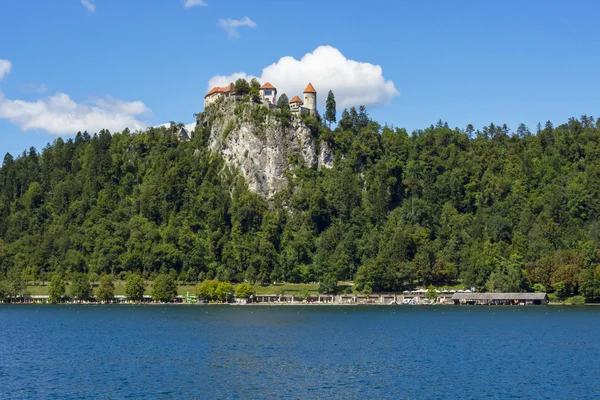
[{"x": 288, "y": 288}]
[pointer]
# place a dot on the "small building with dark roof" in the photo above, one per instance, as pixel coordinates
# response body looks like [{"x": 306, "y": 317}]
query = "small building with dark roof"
[{"x": 500, "y": 298}]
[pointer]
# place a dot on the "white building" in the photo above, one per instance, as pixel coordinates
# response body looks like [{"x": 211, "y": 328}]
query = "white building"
[
  {"x": 268, "y": 93},
  {"x": 308, "y": 106},
  {"x": 310, "y": 99},
  {"x": 217, "y": 93}
]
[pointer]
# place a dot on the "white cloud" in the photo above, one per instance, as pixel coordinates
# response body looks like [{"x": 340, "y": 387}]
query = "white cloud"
[
  {"x": 59, "y": 114},
  {"x": 193, "y": 3},
  {"x": 231, "y": 25},
  {"x": 91, "y": 7},
  {"x": 353, "y": 83},
  {"x": 5, "y": 66}
]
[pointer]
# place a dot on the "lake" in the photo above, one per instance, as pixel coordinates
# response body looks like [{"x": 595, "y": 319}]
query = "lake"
[{"x": 345, "y": 352}]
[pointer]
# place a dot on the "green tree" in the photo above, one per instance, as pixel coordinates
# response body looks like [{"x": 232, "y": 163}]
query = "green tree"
[
  {"x": 330, "y": 112},
  {"x": 164, "y": 288},
  {"x": 207, "y": 289},
  {"x": 244, "y": 290},
  {"x": 242, "y": 86},
  {"x": 134, "y": 287},
  {"x": 105, "y": 292},
  {"x": 255, "y": 90},
  {"x": 328, "y": 284},
  {"x": 56, "y": 289},
  {"x": 283, "y": 102},
  {"x": 12, "y": 284},
  {"x": 303, "y": 294},
  {"x": 432, "y": 293},
  {"x": 80, "y": 288},
  {"x": 224, "y": 291},
  {"x": 561, "y": 290},
  {"x": 508, "y": 276}
]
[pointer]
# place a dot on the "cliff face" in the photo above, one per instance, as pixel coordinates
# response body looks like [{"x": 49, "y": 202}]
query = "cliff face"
[{"x": 261, "y": 144}]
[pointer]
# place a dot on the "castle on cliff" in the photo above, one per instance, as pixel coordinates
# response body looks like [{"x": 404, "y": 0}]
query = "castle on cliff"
[{"x": 268, "y": 96}]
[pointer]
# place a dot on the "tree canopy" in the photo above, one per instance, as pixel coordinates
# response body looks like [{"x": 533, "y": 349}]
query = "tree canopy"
[
  {"x": 491, "y": 208},
  {"x": 164, "y": 288}
]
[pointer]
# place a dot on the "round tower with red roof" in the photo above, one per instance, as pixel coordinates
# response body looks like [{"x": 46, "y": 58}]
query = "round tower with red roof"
[{"x": 310, "y": 99}]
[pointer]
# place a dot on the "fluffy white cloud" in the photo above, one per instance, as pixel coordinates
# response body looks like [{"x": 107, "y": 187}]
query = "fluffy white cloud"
[
  {"x": 5, "y": 66},
  {"x": 353, "y": 83},
  {"x": 59, "y": 114},
  {"x": 91, "y": 7},
  {"x": 194, "y": 3},
  {"x": 231, "y": 25}
]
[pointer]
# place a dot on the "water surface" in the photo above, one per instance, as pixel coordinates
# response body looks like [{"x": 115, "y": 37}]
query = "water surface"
[{"x": 387, "y": 352}]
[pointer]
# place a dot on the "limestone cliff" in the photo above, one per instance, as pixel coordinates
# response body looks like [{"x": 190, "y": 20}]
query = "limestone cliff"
[{"x": 261, "y": 143}]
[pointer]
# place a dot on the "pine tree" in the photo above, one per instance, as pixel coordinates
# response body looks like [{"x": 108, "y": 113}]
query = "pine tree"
[
  {"x": 330, "y": 108},
  {"x": 283, "y": 102}
]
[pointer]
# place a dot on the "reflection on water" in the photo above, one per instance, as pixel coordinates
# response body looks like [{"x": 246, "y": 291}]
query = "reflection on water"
[{"x": 69, "y": 352}]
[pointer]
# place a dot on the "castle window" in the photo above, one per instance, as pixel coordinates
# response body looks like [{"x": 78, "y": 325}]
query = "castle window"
[{"x": 268, "y": 92}]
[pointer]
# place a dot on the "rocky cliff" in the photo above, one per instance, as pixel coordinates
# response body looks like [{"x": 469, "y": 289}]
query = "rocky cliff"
[{"x": 262, "y": 144}]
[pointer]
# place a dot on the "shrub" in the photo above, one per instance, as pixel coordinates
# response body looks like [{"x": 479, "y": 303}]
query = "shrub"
[
  {"x": 575, "y": 301},
  {"x": 227, "y": 130}
]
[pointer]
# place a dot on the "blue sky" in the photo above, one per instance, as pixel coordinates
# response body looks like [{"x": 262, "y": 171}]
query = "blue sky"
[{"x": 112, "y": 63}]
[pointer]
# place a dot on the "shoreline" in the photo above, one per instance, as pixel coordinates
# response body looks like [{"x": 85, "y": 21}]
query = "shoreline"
[{"x": 274, "y": 304}]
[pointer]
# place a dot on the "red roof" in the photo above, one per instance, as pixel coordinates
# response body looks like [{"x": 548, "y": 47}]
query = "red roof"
[
  {"x": 217, "y": 89},
  {"x": 295, "y": 99},
  {"x": 310, "y": 89},
  {"x": 267, "y": 86}
]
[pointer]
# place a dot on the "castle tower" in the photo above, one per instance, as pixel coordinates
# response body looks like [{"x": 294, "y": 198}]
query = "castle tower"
[
  {"x": 268, "y": 93},
  {"x": 310, "y": 99}
]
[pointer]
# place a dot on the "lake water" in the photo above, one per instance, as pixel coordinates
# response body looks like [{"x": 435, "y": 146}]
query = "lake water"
[{"x": 306, "y": 352}]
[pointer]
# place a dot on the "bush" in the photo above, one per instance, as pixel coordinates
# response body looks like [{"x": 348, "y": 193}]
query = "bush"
[
  {"x": 244, "y": 290},
  {"x": 575, "y": 301},
  {"x": 207, "y": 290},
  {"x": 328, "y": 284},
  {"x": 539, "y": 288},
  {"x": 228, "y": 130}
]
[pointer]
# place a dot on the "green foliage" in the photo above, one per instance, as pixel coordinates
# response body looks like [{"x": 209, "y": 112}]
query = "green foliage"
[
  {"x": 254, "y": 90},
  {"x": 244, "y": 290},
  {"x": 283, "y": 103},
  {"x": 228, "y": 130},
  {"x": 560, "y": 290},
  {"x": 13, "y": 283},
  {"x": 431, "y": 294},
  {"x": 105, "y": 292},
  {"x": 80, "y": 287},
  {"x": 224, "y": 291},
  {"x": 134, "y": 287},
  {"x": 303, "y": 294},
  {"x": 487, "y": 208},
  {"x": 507, "y": 276},
  {"x": 56, "y": 289},
  {"x": 575, "y": 301},
  {"x": 164, "y": 288},
  {"x": 328, "y": 284},
  {"x": 242, "y": 86},
  {"x": 207, "y": 290},
  {"x": 330, "y": 113},
  {"x": 539, "y": 288}
]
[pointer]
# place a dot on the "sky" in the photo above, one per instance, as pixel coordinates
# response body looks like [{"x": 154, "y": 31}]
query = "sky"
[{"x": 75, "y": 65}]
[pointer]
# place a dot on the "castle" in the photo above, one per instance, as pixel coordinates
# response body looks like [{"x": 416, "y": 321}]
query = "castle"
[{"x": 268, "y": 96}]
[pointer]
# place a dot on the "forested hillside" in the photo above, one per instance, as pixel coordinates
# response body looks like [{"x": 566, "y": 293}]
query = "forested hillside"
[{"x": 497, "y": 209}]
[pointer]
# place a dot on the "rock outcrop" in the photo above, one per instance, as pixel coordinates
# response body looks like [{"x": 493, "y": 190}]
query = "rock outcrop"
[{"x": 261, "y": 143}]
